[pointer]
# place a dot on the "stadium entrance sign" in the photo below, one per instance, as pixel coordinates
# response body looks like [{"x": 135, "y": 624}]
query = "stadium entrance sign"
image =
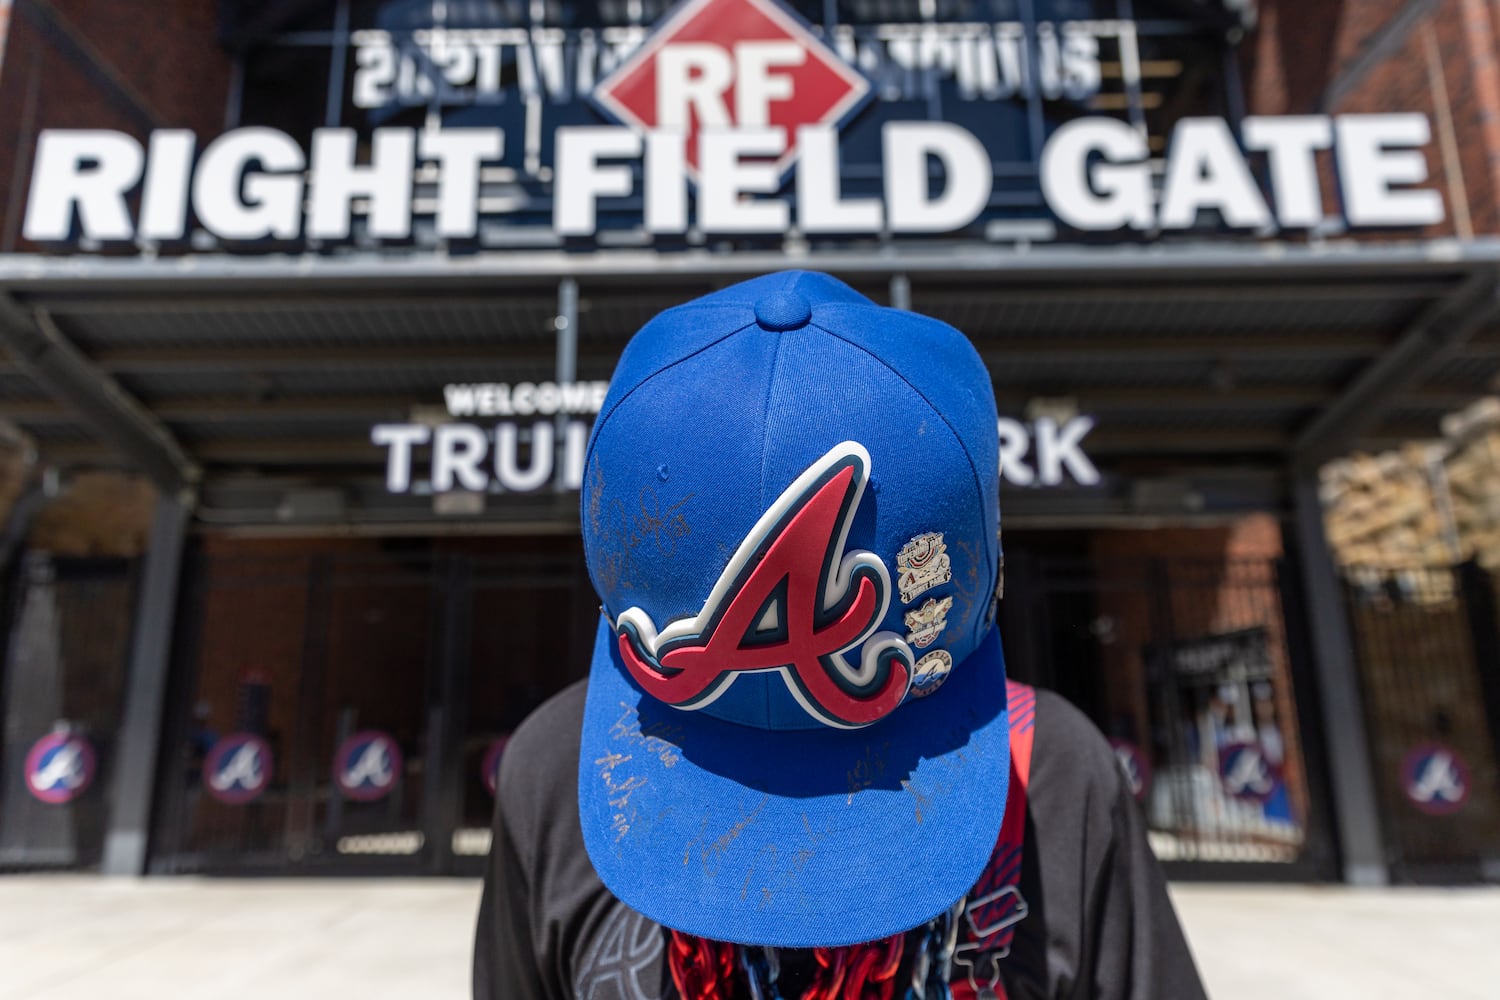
[
  {"x": 730, "y": 118},
  {"x": 257, "y": 184},
  {"x": 541, "y": 435}
]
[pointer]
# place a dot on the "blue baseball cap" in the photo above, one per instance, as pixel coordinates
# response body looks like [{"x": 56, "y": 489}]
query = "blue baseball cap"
[{"x": 795, "y": 733}]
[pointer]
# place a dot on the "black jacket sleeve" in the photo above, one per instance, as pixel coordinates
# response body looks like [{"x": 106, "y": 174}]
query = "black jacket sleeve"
[
  {"x": 1103, "y": 927},
  {"x": 504, "y": 960},
  {"x": 538, "y": 884},
  {"x": 548, "y": 929},
  {"x": 1143, "y": 952}
]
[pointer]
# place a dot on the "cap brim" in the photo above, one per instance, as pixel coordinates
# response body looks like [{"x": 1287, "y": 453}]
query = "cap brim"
[{"x": 793, "y": 839}]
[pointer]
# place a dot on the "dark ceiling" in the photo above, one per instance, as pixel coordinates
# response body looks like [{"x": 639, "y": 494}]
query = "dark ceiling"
[{"x": 1186, "y": 364}]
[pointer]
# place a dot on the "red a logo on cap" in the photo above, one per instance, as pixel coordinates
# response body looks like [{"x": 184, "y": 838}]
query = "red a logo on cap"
[
  {"x": 791, "y": 600},
  {"x": 732, "y": 64}
]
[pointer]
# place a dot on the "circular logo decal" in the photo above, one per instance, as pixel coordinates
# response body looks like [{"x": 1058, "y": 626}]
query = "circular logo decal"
[
  {"x": 367, "y": 765},
  {"x": 1436, "y": 779},
  {"x": 1246, "y": 773},
  {"x": 490, "y": 768},
  {"x": 60, "y": 767},
  {"x": 238, "y": 768},
  {"x": 930, "y": 672},
  {"x": 1136, "y": 767}
]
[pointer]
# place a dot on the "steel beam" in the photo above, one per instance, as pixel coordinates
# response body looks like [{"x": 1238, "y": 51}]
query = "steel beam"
[
  {"x": 1063, "y": 289},
  {"x": 1309, "y": 345},
  {"x": 221, "y": 410},
  {"x": 1387, "y": 270},
  {"x": 1253, "y": 345},
  {"x": 227, "y": 409},
  {"x": 210, "y": 358},
  {"x": 1362, "y": 847},
  {"x": 1382, "y": 43},
  {"x": 1257, "y": 346},
  {"x": 1277, "y": 403},
  {"x": 900, "y": 292},
  {"x": 125, "y": 841},
  {"x": 567, "y": 365},
  {"x": 95, "y": 303},
  {"x": 1440, "y": 328},
  {"x": 110, "y": 413},
  {"x": 244, "y": 25},
  {"x": 345, "y": 451}
]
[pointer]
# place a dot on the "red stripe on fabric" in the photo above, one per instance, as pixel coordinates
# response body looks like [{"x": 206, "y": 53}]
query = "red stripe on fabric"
[{"x": 1004, "y": 869}]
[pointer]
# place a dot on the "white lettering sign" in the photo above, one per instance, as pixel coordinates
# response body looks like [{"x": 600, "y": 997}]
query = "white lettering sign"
[
  {"x": 507, "y": 457},
  {"x": 512, "y": 457},
  {"x": 1096, "y": 175},
  {"x": 991, "y": 62},
  {"x": 1038, "y": 455},
  {"x": 524, "y": 399}
]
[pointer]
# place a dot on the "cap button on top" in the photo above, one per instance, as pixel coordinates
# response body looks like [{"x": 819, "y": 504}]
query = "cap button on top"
[{"x": 784, "y": 310}]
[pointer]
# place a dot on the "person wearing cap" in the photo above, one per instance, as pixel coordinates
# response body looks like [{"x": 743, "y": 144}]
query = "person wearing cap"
[{"x": 797, "y": 769}]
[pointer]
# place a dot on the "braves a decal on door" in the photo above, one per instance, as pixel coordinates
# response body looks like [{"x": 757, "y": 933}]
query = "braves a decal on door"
[{"x": 792, "y": 601}]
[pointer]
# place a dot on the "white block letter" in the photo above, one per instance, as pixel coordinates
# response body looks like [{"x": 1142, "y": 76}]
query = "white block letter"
[
  {"x": 692, "y": 75},
  {"x": 235, "y": 203},
  {"x": 1369, "y": 169},
  {"x": 507, "y": 467},
  {"x": 164, "y": 196},
  {"x": 755, "y": 86},
  {"x": 1014, "y": 443},
  {"x": 459, "y": 152},
  {"x": 84, "y": 168},
  {"x": 666, "y": 182},
  {"x": 820, "y": 207},
  {"x": 400, "y": 438},
  {"x": 1290, "y": 144},
  {"x": 582, "y": 180},
  {"x": 1058, "y": 448},
  {"x": 457, "y": 450},
  {"x": 724, "y": 180},
  {"x": 1205, "y": 169},
  {"x": 336, "y": 181},
  {"x": 1115, "y": 193},
  {"x": 967, "y": 172}
]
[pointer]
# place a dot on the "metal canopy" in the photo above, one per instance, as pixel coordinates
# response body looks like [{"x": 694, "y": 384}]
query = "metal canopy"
[{"x": 1228, "y": 363}]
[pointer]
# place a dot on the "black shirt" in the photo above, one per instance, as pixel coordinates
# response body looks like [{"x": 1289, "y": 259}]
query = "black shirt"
[{"x": 1099, "y": 924}]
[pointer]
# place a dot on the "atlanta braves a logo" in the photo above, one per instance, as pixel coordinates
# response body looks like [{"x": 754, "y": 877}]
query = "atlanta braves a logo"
[
  {"x": 1436, "y": 779},
  {"x": 791, "y": 600}
]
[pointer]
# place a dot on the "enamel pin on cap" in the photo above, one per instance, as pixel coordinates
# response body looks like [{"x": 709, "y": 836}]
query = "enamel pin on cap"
[
  {"x": 923, "y": 564},
  {"x": 928, "y": 621}
]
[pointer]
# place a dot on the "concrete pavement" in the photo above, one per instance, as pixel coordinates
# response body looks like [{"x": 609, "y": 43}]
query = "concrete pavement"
[
  {"x": 1329, "y": 943},
  {"x": 84, "y": 938}
]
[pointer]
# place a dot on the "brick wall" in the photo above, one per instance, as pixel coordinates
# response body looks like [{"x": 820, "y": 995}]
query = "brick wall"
[
  {"x": 4, "y": 25},
  {"x": 130, "y": 65},
  {"x": 1360, "y": 56}
]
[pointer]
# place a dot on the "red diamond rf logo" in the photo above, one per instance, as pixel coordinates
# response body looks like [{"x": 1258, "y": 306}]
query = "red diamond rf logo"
[{"x": 732, "y": 64}]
